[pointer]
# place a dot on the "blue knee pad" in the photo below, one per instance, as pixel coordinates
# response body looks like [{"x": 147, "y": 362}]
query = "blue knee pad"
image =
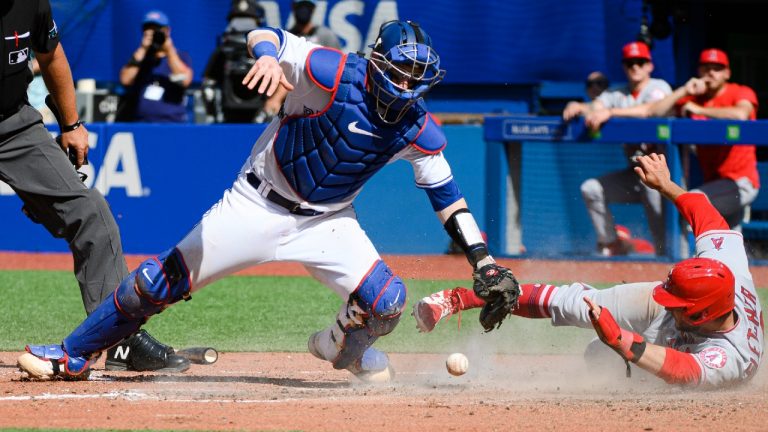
[
  {"x": 146, "y": 291},
  {"x": 380, "y": 299},
  {"x": 155, "y": 284}
]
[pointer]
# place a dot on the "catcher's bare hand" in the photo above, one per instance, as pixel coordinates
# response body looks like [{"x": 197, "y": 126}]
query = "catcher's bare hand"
[
  {"x": 500, "y": 290},
  {"x": 267, "y": 71}
]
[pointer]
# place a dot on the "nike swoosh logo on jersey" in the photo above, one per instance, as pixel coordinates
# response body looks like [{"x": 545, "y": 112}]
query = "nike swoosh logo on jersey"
[
  {"x": 144, "y": 272},
  {"x": 356, "y": 130}
]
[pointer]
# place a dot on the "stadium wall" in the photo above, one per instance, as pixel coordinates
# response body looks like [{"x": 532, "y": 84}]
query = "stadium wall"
[{"x": 159, "y": 180}]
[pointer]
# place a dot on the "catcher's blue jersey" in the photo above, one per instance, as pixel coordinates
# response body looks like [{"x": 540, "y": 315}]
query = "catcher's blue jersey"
[{"x": 328, "y": 156}]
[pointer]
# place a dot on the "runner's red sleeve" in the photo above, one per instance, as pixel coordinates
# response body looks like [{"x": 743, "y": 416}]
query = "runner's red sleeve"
[
  {"x": 700, "y": 213},
  {"x": 680, "y": 368}
]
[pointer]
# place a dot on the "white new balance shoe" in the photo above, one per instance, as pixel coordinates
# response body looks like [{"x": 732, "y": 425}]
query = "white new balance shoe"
[{"x": 430, "y": 310}]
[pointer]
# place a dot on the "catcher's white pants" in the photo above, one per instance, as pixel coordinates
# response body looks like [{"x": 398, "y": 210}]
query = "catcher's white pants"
[{"x": 245, "y": 229}]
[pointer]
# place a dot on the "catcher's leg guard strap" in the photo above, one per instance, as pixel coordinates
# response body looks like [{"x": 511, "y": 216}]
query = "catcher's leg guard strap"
[
  {"x": 373, "y": 310},
  {"x": 156, "y": 283}
]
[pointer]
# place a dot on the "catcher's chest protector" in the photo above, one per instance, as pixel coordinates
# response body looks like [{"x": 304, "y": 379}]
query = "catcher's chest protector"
[{"x": 328, "y": 156}]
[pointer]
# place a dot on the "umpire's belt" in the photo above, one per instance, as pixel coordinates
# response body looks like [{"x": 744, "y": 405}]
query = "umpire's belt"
[{"x": 291, "y": 206}]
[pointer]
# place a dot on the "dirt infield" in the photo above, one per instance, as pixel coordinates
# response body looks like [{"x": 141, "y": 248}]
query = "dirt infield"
[{"x": 289, "y": 391}]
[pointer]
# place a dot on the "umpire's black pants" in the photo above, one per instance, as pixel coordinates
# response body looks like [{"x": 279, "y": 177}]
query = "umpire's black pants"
[{"x": 40, "y": 173}]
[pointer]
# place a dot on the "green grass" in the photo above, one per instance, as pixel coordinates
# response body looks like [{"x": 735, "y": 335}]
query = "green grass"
[{"x": 242, "y": 313}]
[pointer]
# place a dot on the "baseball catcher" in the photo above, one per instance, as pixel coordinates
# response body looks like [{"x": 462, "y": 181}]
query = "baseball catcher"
[
  {"x": 702, "y": 326},
  {"x": 345, "y": 118}
]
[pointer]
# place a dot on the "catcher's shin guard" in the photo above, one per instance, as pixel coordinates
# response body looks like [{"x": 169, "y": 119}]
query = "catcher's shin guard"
[
  {"x": 156, "y": 283},
  {"x": 373, "y": 310}
]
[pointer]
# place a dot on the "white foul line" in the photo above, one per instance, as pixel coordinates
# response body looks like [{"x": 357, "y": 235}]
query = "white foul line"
[{"x": 137, "y": 396}]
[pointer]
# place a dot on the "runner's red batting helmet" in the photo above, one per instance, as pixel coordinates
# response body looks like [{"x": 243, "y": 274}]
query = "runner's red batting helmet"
[{"x": 703, "y": 287}]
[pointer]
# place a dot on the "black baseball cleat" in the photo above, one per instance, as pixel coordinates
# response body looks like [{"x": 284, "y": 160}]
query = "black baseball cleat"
[{"x": 141, "y": 352}]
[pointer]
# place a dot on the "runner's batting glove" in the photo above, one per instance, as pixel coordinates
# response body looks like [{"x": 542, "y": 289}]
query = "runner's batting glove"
[
  {"x": 500, "y": 290},
  {"x": 629, "y": 345}
]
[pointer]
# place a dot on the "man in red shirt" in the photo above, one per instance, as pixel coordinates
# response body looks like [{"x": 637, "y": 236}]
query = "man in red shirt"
[{"x": 731, "y": 181}]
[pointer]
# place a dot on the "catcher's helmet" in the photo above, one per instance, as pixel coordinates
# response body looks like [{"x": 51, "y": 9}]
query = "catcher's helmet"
[
  {"x": 703, "y": 287},
  {"x": 402, "y": 53}
]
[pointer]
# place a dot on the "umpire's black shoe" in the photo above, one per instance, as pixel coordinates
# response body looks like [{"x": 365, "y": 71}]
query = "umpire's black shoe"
[{"x": 142, "y": 352}]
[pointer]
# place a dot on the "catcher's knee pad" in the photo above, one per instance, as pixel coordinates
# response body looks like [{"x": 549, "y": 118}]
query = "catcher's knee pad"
[
  {"x": 155, "y": 284},
  {"x": 381, "y": 296},
  {"x": 373, "y": 310}
]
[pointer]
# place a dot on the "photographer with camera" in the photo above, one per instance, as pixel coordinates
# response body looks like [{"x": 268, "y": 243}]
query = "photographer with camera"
[
  {"x": 156, "y": 76},
  {"x": 226, "y": 99}
]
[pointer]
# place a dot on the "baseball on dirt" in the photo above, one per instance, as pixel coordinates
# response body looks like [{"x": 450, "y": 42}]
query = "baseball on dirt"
[{"x": 457, "y": 364}]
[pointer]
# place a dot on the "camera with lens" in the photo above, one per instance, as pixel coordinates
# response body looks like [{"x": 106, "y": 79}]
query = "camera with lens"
[
  {"x": 236, "y": 64},
  {"x": 158, "y": 39},
  {"x": 224, "y": 94}
]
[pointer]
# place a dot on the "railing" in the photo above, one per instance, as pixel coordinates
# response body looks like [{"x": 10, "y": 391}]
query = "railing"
[{"x": 665, "y": 131}]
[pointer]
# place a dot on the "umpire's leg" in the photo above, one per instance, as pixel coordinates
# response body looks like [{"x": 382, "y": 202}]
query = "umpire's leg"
[{"x": 38, "y": 170}]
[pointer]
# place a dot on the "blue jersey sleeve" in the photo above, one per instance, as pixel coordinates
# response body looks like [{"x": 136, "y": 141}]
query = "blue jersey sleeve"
[{"x": 443, "y": 196}]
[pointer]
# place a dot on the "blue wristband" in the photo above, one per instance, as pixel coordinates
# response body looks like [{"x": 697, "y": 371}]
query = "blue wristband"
[{"x": 264, "y": 48}]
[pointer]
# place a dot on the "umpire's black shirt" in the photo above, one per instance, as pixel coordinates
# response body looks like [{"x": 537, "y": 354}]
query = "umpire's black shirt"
[{"x": 25, "y": 25}]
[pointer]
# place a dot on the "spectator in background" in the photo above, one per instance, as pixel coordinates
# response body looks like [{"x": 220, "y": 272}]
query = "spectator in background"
[
  {"x": 157, "y": 76},
  {"x": 624, "y": 186},
  {"x": 227, "y": 66},
  {"x": 596, "y": 84},
  {"x": 304, "y": 27},
  {"x": 731, "y": 180},
  {"x": 315, "y": 33}
]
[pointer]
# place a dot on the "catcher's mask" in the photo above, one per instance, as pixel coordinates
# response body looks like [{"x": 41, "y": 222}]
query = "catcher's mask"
[
  {"x": 703, "y": 287},
  {"x": 402, "y": 68}
]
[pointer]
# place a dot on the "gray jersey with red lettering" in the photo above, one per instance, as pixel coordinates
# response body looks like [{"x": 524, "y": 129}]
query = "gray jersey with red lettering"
[
  {"x": 732, "y": 355},
  {"x": 724, "y": 357}
]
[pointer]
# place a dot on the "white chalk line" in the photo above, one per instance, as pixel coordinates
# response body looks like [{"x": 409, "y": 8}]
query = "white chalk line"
[{"x": 138, "y": 396}]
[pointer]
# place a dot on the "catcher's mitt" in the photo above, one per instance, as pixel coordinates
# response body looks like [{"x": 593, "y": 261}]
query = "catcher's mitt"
[{"x": 500, "y": 290}]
